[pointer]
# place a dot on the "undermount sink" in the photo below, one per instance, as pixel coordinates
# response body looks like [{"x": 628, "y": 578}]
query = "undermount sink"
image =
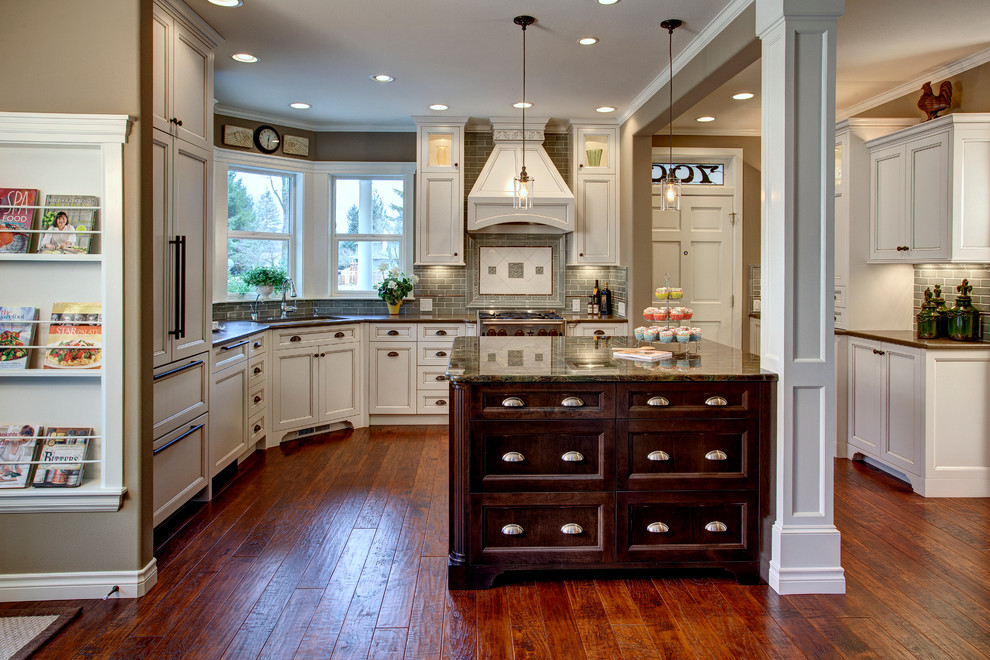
[{"x": 293, "y": 320}]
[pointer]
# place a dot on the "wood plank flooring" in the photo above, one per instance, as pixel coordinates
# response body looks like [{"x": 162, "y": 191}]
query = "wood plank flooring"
[{"x": 335, "y": 547}]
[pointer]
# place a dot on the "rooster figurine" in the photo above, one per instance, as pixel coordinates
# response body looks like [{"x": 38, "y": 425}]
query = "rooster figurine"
[{"x": 932, "y": 104}]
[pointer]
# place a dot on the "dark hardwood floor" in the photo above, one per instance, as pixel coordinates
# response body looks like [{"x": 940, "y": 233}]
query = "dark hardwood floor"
[{"x": 336, "y": 547}]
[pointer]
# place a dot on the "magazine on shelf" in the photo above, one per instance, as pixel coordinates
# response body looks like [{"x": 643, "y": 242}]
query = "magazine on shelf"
[
  {"x": 18, "y": 442},
  {"x": 644, "y": 354},
  {"x": 18, "y": 206},
  {"x": 75, "y": 337},
  {"x": 66, "y": 224},
  {"x": 60, "y": 457},
  {"x": 16, "y": 334}
]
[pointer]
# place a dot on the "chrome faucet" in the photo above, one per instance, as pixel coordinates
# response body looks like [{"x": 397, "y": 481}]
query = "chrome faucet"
[
  {"x": 287, "y": 284},
  {"x": 254, "y": 308}
]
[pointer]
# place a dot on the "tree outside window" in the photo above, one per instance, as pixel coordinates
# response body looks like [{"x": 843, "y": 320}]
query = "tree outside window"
[
  {"x": 259, "y": 226},
  {"x": 368, "y": 230}
]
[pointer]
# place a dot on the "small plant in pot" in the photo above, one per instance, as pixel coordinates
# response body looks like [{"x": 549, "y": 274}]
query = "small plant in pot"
[
  {"x": 394, "y": 287},
  {"x": 266, "y": 279}
]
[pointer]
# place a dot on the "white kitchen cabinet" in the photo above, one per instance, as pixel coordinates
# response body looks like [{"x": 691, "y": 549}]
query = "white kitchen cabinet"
[
  {"x": 886, "y": 403},
  {"x": 439, "y": 192},
  {"x": 258, "y": 389},
  {"x": 229, "y": 431},
  {"x": 320, "y": 381},
  {"x": 392, "y": 377},
  {"x": 929, "y": 196},
  {"x": 181, "y": 467},
  {"x": 595, "y": 240},
  {"x": 754, "y": 335},
  {"x": 182, "y": 90},
  {"x": 598, "y": 328},
  {"x": 78, "y": 154},
  {"x": 434, "y": 343}
]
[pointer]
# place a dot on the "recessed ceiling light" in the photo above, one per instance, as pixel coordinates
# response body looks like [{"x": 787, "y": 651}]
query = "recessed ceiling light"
[
  {"x": 607, "y": 2},
  {"x": 244, "y": 57},
  {"x": 299, "y": 105},
  {"x": 705, "y": 119},
  {"x": 228, "y": 3},
  {"x": 605, "y": 108},
  {"x": 742, "y": 96},
  {"x": 382, "y": 77},
  {"x": 522, "y": 104},
  {"x": 438, "y": 106},
  {"x": 588, "y": 41}
]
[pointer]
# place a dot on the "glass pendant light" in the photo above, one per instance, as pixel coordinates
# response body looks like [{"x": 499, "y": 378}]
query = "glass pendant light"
[
  {"x": 670, "y": 185},
  {"x": 522, "y": 185}
]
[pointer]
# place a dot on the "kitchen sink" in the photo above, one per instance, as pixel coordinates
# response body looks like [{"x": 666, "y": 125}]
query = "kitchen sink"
[{"x": 299, "y": 320}]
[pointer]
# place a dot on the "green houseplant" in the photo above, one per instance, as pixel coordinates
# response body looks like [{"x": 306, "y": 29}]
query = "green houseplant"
[
  {"x": 394, "y": 287},
  {"x": 266, "y": 279}
]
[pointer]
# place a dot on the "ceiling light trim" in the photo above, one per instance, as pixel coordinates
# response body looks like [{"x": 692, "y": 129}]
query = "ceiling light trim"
[{"x": 695, "y": 46}]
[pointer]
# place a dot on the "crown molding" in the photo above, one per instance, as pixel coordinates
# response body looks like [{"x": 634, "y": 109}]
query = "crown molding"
[{"x": 240, "y": 113}]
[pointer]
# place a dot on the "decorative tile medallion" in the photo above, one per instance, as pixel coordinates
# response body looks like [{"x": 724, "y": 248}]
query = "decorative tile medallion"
[{"x": 516, "y": 271}]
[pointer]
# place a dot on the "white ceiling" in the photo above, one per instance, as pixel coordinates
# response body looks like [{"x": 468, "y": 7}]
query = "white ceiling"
[{"x": 468, "y": 54}]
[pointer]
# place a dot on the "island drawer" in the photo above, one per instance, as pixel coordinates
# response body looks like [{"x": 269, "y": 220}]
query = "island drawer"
[
  {"x": 686, "y": 526},
  {"x": 541, "y": 528},
  {"x": 708, "y": 399},
  {"x": 542, "y": 456},
  {"x": 548, "y": 402},
  {"x": 687, "y": 454}
]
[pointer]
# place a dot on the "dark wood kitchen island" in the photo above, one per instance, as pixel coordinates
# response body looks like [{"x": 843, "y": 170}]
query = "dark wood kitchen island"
[{"x": 563, "y": 457}]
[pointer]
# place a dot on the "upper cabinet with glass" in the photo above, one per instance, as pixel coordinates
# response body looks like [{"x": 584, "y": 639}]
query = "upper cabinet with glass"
[
  {"x": 596, "y": 148},
  {"x": 440, "y": 148}
]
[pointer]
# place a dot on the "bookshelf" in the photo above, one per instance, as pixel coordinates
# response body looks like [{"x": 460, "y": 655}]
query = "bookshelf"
[{"x": 81, "y": 155}]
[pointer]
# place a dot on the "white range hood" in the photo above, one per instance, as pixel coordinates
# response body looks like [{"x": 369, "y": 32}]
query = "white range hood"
[{"x": 490, "y": 200}]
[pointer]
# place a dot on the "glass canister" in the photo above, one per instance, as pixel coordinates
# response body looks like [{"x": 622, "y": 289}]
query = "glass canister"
[
  {"x": 928, "y": 318},
  {"x": 964, "y": 319},
  {"x": 942, "y": 311}
]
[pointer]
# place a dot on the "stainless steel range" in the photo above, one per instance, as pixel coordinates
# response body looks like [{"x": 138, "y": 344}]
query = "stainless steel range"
[{"x": 508, "y": 323}]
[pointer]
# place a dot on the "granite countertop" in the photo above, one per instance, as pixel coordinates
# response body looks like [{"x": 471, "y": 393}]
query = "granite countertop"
[
  {"x": 550, "y": 359},
  {"x": 235, "y": 330},
  {"x": 908, "y": 338}
]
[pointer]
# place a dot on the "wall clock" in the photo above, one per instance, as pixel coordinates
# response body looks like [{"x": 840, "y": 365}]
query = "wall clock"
[{"x": 267, "y": 139}]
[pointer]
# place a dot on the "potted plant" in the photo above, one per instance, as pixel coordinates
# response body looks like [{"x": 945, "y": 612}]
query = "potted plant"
[
  {"x": 394, "y": 287},
  {"x": 265, "y": 279}
]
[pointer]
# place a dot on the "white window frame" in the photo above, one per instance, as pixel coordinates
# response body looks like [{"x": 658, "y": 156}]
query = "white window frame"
[{"x": 399, "y": 171}]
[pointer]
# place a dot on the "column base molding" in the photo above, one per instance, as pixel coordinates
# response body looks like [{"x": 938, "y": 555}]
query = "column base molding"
[
  {"x": 806, "y": 561},
  {"x": 78, "y": 585}
]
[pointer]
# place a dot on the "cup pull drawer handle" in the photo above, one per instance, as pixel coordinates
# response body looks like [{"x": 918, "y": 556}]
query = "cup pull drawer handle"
[
  {"x": 599, "y": 332},
  {"x": 257, "y": 398},
  {"x": 338, "y": 335},
  {"x": 716, "y": 455},
  {"x": 572, "y": 457},
  {"x": 257, "y": 344},
  {"x": 393, "y": 333},
  {"x": 441, "y": 378},
  {"x": 572, "y": 528},
  {"x": 257, "y": 370},
  {"x": 716, "y": 401},
  {"x": 295, "y": 338},
  {"x": 257, "y": 427},
  {"x": 572, "y": 402},
  {"x": 442, "y": 333},
  {"x": 512, "y": 529},
  {"x": 716, "y": 526},
  {"x": 392, "y": 354},
  {"x": 441, "y": 354},
  {"x": 441, "y": 402},
  {"x": 658, "y": 456},
  {"x": 657, "y": 401},
  {"x": 512, "y": 456},
  {"x": 512, "y": 402},
  {"x": 657, "y": 528}
]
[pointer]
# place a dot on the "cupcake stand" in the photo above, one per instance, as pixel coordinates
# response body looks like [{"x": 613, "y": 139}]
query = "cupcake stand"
[{"x": 683, "y": 336}]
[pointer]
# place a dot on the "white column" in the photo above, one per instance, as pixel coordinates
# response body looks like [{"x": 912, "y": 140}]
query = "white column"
[{"x": 797, "y": 324}]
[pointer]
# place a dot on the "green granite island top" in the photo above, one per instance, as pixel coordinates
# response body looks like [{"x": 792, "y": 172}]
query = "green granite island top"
[{"x": 589, "y": 359}]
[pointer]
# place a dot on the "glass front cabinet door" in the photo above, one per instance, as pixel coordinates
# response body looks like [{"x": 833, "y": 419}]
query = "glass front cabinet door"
[{"x": 596, "y": 149}]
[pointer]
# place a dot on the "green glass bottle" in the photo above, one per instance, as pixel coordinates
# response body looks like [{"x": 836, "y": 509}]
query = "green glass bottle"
[
  {"x": 963, "y": 318},
  {"x": 942, "y": 311},
  {"x": 928, "y": 318}
]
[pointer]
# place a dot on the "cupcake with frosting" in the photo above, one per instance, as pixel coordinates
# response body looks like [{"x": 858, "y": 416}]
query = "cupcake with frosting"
[
  {"x": 651, "y": 333},
  {"x": 640, "y": 333},
  {"x": 662, "y": 293},
  {"x": 683, "y": 336},
  {"x": 665, "y": 336},
  {"x": 688, "y": 312},
  {"x": 676, "y": 293},
  {"x": 660, "y": 314},
  {"x": 676, "y": 314},
  {"x": 695, "y": 334}
]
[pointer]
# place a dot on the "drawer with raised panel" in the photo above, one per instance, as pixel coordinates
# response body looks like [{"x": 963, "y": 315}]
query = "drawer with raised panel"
[
  {"x": 257, "y": 400},
  {"x": 182, "y": 392},
  {"x": 392, "y": 331},
  {"x": 686, "y": 526},
  {"x": 542, "y": 529},
  {"x": 433, "y": 402},
  {"x": 257, "y": 429},
  {"x": 687, "y": 454},
  {"x": 229, "y": 354},
  {"x": 542, "y": 456},
  {"x": 258, "y": 370},
  {"x": 311, "y": 335},
  {"x": 432, "y": 378},
  {"x": 433, "y": 352},
  {"x": 553, "y": 401},
  {"x": 696, "y": 399},
  {"x": 259, "y": 344},
  {"x": 180, "y": 466},
  {"x": 434, "y": 331}
]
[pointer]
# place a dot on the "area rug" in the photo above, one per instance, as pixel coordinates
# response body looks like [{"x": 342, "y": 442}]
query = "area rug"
[{"x": 22, "y": 632}]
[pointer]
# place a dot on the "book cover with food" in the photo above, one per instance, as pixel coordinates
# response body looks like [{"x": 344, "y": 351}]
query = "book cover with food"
[
  {"x": 644, "y": 354},
  {"x": 75, "y": 336},
  {"x": 60, "y": 457},
  {"x": 18, "y": 206},
  {"x": 18, "y": 443},
  {"x": 67, "y": 223},
  {"x": 16, "y": 334}
]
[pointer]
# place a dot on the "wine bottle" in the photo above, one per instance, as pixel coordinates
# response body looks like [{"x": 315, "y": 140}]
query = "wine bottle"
[
  {"x": 606, "y": 305},
  {"x": 596, "y": 299}
]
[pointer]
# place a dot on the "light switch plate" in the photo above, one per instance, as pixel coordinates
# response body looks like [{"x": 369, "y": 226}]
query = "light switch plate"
[
  {"x": 620, "y": 307},
  {"x": 575, "y": 305},
  {"x": 426, "y": 304}
]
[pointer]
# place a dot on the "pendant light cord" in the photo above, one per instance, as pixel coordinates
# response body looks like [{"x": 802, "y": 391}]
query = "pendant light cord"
[
  {"x": 524, "y": 100},
  {"x": 670, "y": 105}
]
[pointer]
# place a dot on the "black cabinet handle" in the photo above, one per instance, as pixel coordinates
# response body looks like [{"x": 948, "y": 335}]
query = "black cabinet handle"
[
  {"x": 338, "y": 335},
  {"x": 392, "y": 333},
  {"x": 442, "y": 333},
  {"x": 295, "y": 338},
  {"x": 393, "y": 354},
  {"x": 178, "y": 369},
  {"x": 192, "y": 429},
  {"x": 441, "y": 353},
  {"x": 233, "y": 346}
]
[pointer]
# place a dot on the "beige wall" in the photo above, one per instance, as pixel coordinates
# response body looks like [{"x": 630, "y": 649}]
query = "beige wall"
[
  {"x": 83, "y": 57},
  {"x": 970, "y": 93}
]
